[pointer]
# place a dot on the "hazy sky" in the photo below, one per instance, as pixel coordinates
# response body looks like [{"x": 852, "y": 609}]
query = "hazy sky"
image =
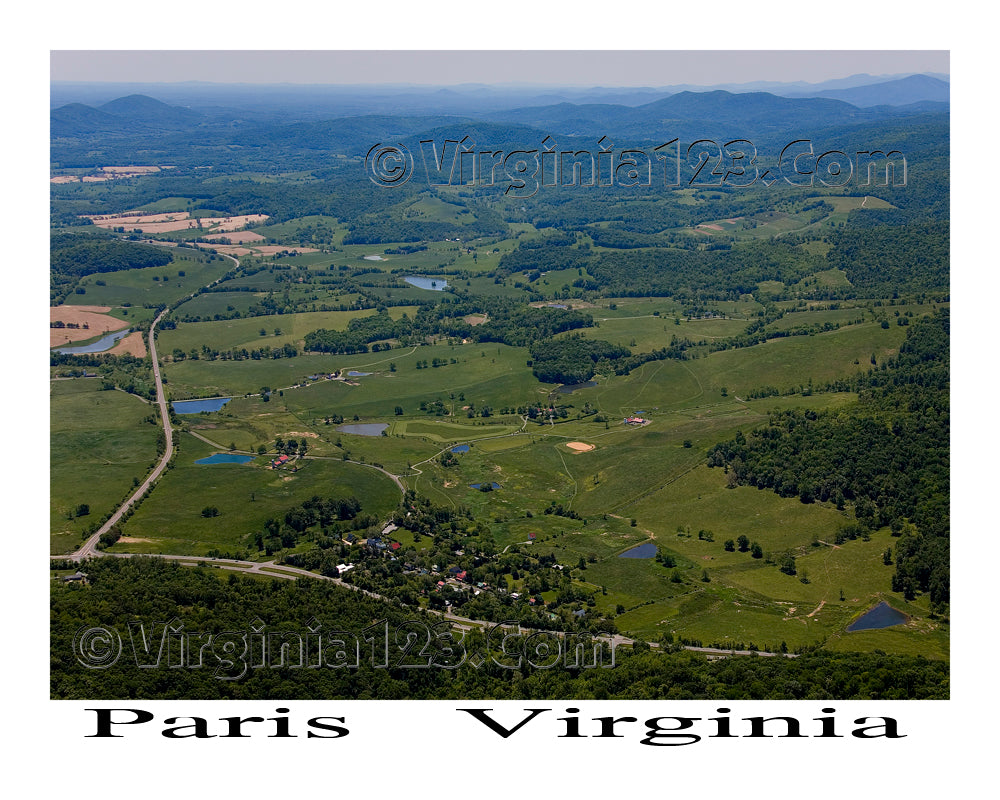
[{"x": 443, "y": 67}]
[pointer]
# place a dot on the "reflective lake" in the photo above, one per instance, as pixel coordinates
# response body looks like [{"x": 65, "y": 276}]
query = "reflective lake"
[
  {"x": 479, "y": 485},
  {"x": 197, "y": 406},
  {"x": 569, "y": 388},
  {"x": 432, "y": 284},
  {"x": 462, "y": 448},
  {"x": 645, "y": 550},
  {"x": 102, "y": 344},
  {"x": 364, "y": 428},
  {"x": 882, "y": 616},
  {"x": 353, "y": 374},
  {"x": 224, "y": 458}
]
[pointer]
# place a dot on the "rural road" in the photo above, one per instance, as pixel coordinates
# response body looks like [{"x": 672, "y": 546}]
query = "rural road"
[{"x": 89, "y": 548}]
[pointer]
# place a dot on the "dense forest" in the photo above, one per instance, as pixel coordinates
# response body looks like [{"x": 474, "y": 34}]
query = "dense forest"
[
  {"x": 83, "y": 254},
  {"x": 121, "y": 592},
  {"x": 888, "y": 455}
]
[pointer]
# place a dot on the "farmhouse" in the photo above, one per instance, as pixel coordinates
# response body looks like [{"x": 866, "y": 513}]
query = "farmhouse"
[{"x": 280, "y": 461}]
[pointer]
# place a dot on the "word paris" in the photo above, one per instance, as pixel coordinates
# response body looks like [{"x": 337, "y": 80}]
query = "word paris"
[
  {"x": 702, "y": 163},
  {"x": 659, "y": 731}
]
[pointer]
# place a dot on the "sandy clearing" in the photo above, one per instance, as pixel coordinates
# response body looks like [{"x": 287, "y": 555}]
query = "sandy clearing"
[
  {"x": 580, "y": 447},
  {"x": 710, "y": 226},
  {"x": 302, "y": 433},
  {"x": 132, "y": 344},
  {"x": 97, "y": 323},
  {"x": 237, "y": 238},
  {"x": 134, "y": 539},
  {"x": 476, "y": 319}
]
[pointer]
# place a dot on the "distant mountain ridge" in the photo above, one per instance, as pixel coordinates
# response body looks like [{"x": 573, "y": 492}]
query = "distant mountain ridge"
[{"x": 905, "y": 91}]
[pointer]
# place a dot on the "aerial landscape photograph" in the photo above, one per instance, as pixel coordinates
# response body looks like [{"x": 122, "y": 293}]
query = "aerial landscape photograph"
[{"x": 378, "y": 380}]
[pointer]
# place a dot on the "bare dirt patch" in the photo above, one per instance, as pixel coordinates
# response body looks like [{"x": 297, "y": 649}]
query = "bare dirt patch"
[
  {"x": 132, "y": 344},
  {"x": 237, "y": 238},
  {"x": 91, "y": 316},
  {"x": 134, "y": 539},
  {"x": 476, "y": 319},
  {"x": 303, "y": 433},
  {"x": 580, "y": 447},
  {"x": 710, "y": 226}
]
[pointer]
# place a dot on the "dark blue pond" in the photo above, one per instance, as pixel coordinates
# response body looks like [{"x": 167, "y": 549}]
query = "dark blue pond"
[
  {"x": 353, "y": 374},
  {"x": 882, "y": 616},
  {"x": 197, "y": 406},
  {"x": 646, "y": 550},
  {"x": 478, "y": 485},
  {"x": 102, "y": 344},
  {"x": 555, "y": 305},
  {"x": 432, "y": 284},
  {"x": 364, "y": 428},
  {"x": 462, "y": 448},
  {"x": 224, "y": 458},
  {"x": 569, "y": 388}
]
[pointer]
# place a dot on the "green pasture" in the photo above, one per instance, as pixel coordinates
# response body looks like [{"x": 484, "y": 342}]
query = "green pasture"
[
  {"x": 99, "y": 443},
  {"x": 236, "y": 333},
  {"x": 246, "y": 496},
  {"x": 136, "y": 286}
]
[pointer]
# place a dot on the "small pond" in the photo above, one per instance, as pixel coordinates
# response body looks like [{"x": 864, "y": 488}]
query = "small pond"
[
  {"x": 374, "y": 258},
  {"x": 102, "y": 344},
  {"x": 224, "y": 458},
  {"x": 556, "y": 305},
  {"x": 645, "y": 550},
  {"x": 433, "y": 284},
  {"x": 569, "y": 388},
  {"x": 364, "y": 428},
  {"x": 197, "y": 406},
  {"x": 882, "y": 616},
  {"x": 353, "y": 374},
  {"x": 462, "y": 448},
  {"x": 479, "y": 485}
]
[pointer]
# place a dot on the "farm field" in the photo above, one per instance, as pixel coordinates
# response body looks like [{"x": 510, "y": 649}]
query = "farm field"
[
  {"x": 226, "y": 334},
  {"x": 246, "y": 496},
  {"x": 100, "y": 442}
]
